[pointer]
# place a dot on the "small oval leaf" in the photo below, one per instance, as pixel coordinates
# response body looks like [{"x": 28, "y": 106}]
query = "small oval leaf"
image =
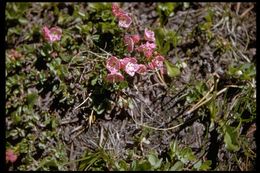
[{"x": 172, "y": 70}]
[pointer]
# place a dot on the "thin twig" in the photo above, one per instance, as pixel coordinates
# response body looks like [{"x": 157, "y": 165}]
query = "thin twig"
[
  {"x": 238, "y": 7},
  {"x": 101, "y": 136},
  {"x": 96, "y": 54},
  {"x": 104, "y": 51},
  {"x": 83, "y": 101},
  {"x": 182, "y": 23},
  {"x": 69, "y": 121},
  {"x": 82, "y": 73},
  {"x": 91, "y": 118},
  {"x": 160, "y": 78},
  {"x": 83, "y": 129},
  {"x": 76, "y": 129},
  {"x": 72, "y": 165},
  {"x": 249, "y": 9}
]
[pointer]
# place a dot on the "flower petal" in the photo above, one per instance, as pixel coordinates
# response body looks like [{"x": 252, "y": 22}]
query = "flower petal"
[
  {"x": 124, "y": 61},
  {"x": 113, "y": 64},
  {"x": 124, "y": 20},
  {"x": 129, "y": 42},
  {"x": 136, "y": 38},
  {"x": 51, "y": 35},
  {"x": 114, "y": 77},
  {"x": 142, "y": 69},
  {"x": 149, "y": 35},
  {"x": 131, "y": 68}
]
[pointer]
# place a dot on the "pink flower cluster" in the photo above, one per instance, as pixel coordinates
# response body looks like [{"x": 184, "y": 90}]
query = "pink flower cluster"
[
  {"x": 127, "y": 64},
  {"x": 123, "y": 17},
  {"x": 148, "y": 48},
  {"x": 51, "y": 35},
  {"x": 10, "y": 156}
]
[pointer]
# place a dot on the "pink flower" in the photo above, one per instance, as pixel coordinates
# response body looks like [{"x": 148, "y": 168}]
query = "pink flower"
[
  {"x": 123, "y": 62},
  {"x": 115, "y": 77},
  {"x": 148, "y": 53},
  {"x": 129, "y": 42},
  {"x": 136, "y": 38},
  {"x": 157, "y": 62},
  {"x": 10, "y": 156},
  {"x": 149, "y": 35},
  {"x": 113, "y": 64},
  {"x": 159, "y": 58},
  {"x": 150, "y": 45},
  {"x": 142, "y": 69},
  {"x": 131, "y": 68},
  {"x": 116, "y": 10},
  {"x": 147, "y": 49},
  {"x": 124, "y": 20},
  {"x": 51, "y": 35}
]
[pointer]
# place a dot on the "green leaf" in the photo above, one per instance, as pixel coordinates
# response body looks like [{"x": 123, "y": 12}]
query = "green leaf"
[
  {"x": 186, "y": 155},
  {"x": 55, "y": 46},
  {"x": 133, "y": 165},
  {"x": 178, "y": 166},
  {"x": 16, "y": 118},
  {"x": 95, "y": 37},
  {"x": 23, "y": 21},
  {"x": 166, "y": 166},
  {"x": 173, "y": 149},
  {"x": 172, "y": 70},
  {"x": 198, "y": 165},
  {"x": 230, "y": 139},
  {"x": 122, "y": 165},
  {"x": 143, "y": 166},
  {"x": 166, "y": 48},
  {"x": 94, "y": 81},
  {"x": 167, "y": 8},
  {"x": 81, "y": 14},
  {"x": 99, "y": 109},
  {"x": 158, "y": 164},
  {"x": 65, "y": 58},
  {"x": 31, "y": 98},
  {"x": 13, "y": 132},
  {"x": 42, "y": 52},
  {"x": 186, "y": 5},
  {"x": 229, "y": 145},
  {"x": 206, "y": 165},
  {"x": 108, "y": 27},
  {"x": 152, "y": 159},
  {"x": 123, "y": 84},
  {"x": 202, "y": 166}
]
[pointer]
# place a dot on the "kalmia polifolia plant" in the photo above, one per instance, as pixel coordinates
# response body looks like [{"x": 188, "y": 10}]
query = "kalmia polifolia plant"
[
  {"x": 140, "y": 47},
  {"x": 146, "y": 58},
  {"x": 140, "y": 56}
]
